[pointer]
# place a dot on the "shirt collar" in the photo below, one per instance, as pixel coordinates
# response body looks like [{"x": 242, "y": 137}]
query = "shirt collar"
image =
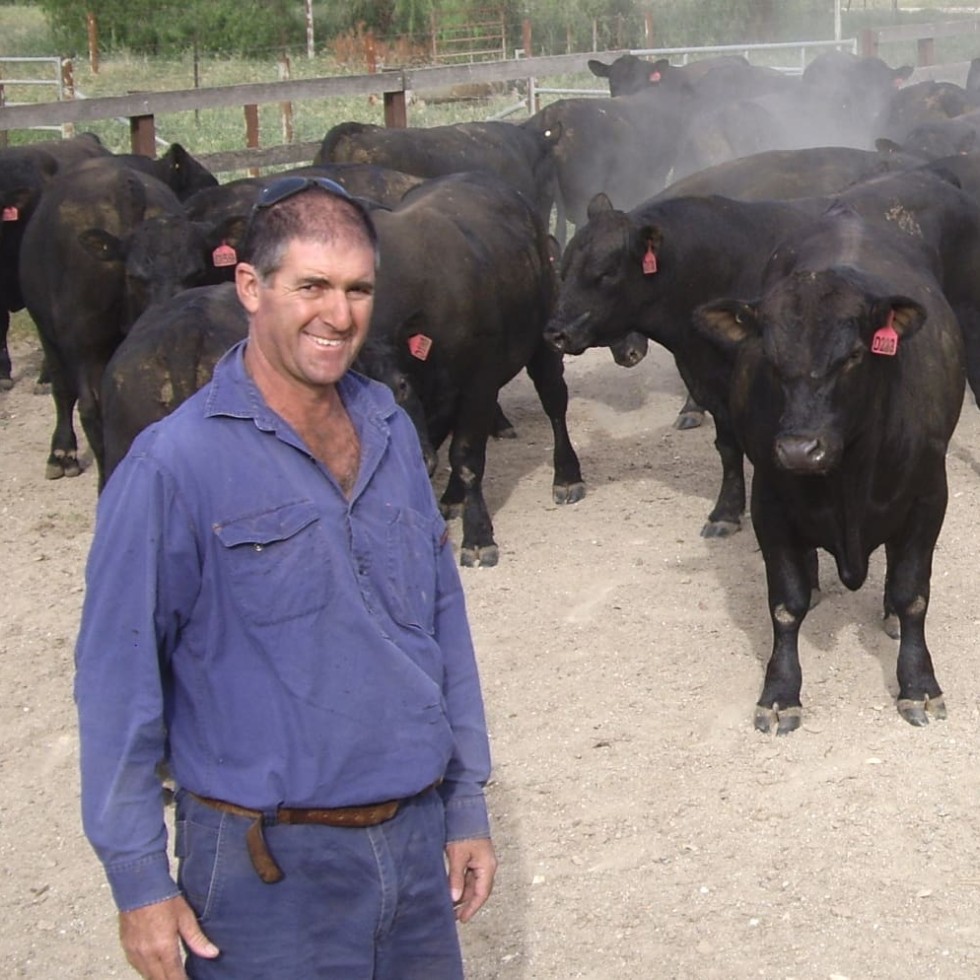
[{"x": 233, "y": 393}]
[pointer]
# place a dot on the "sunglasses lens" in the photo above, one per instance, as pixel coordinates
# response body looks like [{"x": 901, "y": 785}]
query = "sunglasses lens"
[{"x": 287, "y": 187}]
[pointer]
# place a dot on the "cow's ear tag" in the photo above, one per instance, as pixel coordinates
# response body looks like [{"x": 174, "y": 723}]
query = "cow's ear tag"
[
  {"x": 655, "y": 76},
  {"x": 649, "y": 261},
  {"x": 224, "y": 255},
  {"x": 11, "y": 214},
  {"x": 419, "y": 346},
  {"x": 885, "y": 340}
]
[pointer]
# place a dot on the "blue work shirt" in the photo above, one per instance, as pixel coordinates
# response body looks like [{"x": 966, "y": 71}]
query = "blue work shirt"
[{"x": 276, "y": 643}]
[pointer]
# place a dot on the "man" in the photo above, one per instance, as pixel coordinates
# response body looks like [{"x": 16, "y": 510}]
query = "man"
[{"x": 273, "y": 611}]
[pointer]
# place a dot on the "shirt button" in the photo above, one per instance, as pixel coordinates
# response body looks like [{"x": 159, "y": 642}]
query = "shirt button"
[{"x": 258, "y": 547}]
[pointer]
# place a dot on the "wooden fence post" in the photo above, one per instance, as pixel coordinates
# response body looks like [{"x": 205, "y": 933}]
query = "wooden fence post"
[
  {"x": 93, "y": 42},
  {"x": 286, "y": 108},
  {"x": 143, "y": 136},
  {"x": 252, "y": 133},
  {"x": 926, "y": 50},
  {"x": 648, "y": 28},
  {"x": 526, "y": 36},
  {"x": 868, "y": 42},
  {"x": 67, "y": 93},
  {"x": 396, "y": 107}
]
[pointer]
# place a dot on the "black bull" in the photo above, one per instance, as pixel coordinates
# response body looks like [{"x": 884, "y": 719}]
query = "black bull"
[{"x": 848, "y": 383}]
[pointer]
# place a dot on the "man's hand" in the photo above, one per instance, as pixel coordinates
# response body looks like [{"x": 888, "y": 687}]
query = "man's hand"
[
  {"x": 150, "y": 936},
  {"x": 472, "y": 865}
]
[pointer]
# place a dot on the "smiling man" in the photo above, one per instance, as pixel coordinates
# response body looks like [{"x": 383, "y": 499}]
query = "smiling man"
[{"x": 274, "y": 612}]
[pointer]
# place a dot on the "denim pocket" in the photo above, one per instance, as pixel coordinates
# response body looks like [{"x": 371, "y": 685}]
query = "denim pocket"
[
  {"x": 277, "y": 563},
  {"x": 196, "y": 848}
]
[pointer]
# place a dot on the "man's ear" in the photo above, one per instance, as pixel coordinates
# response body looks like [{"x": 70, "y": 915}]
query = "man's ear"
[{"x": 247, "y": 286}]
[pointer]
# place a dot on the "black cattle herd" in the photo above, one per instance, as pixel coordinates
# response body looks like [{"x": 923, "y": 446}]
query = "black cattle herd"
[{"x": 807, "y": 247}]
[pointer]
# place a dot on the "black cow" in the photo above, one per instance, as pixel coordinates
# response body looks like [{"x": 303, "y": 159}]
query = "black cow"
[
  {"x": 466, "y": 313},
  {"x": 837, "y": 102},
  {"x": 624, "y": 147},
  {"x": 646, "y": 271},
  {"x": 778, "y": 175},
  {"x": 919, "y": 103},
  {"x": 25, "y": 171},
  {"x": 176, "y": 168},
  {"x": 104, "y": 243},
  {"x": 848, "y": 384},
  {"x": 518, "y": 154}
]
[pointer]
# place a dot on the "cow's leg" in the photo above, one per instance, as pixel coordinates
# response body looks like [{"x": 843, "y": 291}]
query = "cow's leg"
[
  {"x": 63, "y": 460},
  {"x": 691, "y": 415},
  {"x": 726, "y": 516},
  {"x": 969, "y": 320},
  {"x": 502, "y": 427},
  {"x": 90, "y": 415},
  {"x": 907, "y": 597},
  {"x": 467, "y": 460},
  {"x": 43, "y": 384},
  {"x": 789, "y": 572},
  {"x": 547, "y": 371},
  {"x": 6, "y": 381}
]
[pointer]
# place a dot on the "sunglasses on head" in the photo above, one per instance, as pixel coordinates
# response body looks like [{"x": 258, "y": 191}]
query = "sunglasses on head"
[{"x": 286, "y": 187}]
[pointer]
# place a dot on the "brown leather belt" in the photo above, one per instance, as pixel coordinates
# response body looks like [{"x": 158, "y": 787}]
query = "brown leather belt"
[{"x": 342, "y": 816}]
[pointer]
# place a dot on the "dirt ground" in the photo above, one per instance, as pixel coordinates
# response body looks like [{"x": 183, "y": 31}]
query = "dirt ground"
[{"x": 645, "y": 829}]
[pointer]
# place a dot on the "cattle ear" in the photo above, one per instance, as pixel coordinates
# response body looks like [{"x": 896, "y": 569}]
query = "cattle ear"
[
  {"x": 726, "y": 322},
  {"x": 901, "y": 75},
  {"x": 102, "y": 245},
  {"x": 599, "y": 204},
  {"x": 598, "y": 68},
  {"x": 904, "y": 315}
]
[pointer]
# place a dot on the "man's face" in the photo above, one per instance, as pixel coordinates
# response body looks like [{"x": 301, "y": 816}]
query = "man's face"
[{"x": 310, "y": 319}]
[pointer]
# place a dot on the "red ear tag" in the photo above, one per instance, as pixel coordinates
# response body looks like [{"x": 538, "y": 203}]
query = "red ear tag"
[
  {"x": 224, "y": 255},
  {"x": 649, "y": 261},
  {"x": 655, "y": 76},
  {"x": 419, "y": 346},
  {"x": 885, "y": 340},
  {"x": 11, "y": 214}
]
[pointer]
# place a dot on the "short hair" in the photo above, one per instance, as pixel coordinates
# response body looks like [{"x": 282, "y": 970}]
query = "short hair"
[{"x": 311, "y": 208}]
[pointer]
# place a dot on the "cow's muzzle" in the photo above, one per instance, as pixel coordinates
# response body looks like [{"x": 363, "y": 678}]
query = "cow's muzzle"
[
  {"x": 803, "y": 454},
  {"x": 571, "y": 337}
]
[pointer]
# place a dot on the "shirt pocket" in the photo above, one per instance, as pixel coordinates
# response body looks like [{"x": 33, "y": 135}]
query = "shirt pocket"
[
  {"x": 411, "y": 566},
  {"x": 277, "y": 562}
]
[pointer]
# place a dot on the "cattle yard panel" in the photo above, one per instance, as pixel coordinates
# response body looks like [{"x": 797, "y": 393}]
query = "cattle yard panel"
[
  {"x": 480, "y": 37},
  {"x": 46, "y": 72}
]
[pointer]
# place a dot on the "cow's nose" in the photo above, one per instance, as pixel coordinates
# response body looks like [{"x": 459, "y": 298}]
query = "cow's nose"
[{"x": 801, "y": 454}]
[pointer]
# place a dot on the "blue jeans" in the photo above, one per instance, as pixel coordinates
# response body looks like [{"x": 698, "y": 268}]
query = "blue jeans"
[{"x": 370, "y": 903}]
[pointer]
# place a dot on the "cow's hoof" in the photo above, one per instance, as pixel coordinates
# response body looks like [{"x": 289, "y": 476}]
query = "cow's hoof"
[
  {"x": 917, "y": 712},
  {"x": 786, "y": 720},
  {"x": 689, "y": 420},
  {"x": 485, "y": 557},
  {"x": 892, "y": 626},
  {"x": 42, "y": 387},
  {"x": 570, "y": 493},
  {"x": 505, "y": 432},
  {"x": 720, "y": 529},
  {"x": 6, "y": 384},
  {"x": 59, "y": 466}
]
